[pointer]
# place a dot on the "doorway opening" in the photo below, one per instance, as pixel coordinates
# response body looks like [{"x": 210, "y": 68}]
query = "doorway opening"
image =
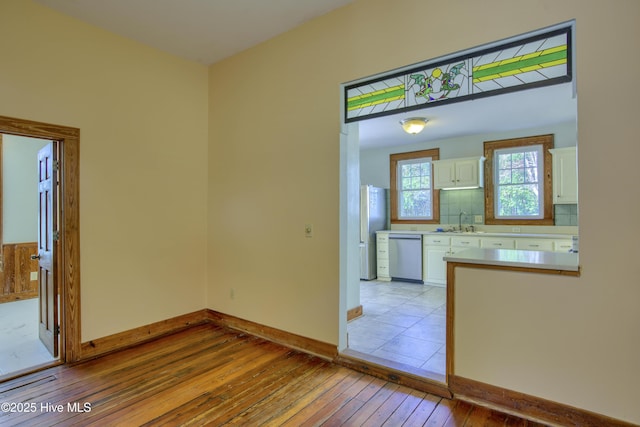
[
  {"x": 55, "y": 254},
  {"x": 29, "y": 199},
  {"x": 400, "y": 332},
  {"x": 371, "y": 110}
]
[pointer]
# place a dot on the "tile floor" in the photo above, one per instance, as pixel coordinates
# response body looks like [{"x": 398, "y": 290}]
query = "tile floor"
[
  {"x": 402, "y": 322},
  {"x": 20, "y": 347}
]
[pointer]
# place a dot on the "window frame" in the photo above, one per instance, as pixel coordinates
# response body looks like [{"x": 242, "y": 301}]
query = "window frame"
[
  {"x": 546, "y": 179},
  {"x": 396, "y": 158}
]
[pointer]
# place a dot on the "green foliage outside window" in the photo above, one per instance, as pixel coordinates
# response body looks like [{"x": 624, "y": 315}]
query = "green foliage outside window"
[
  {"x": 518, "y": 184},
  {"x": 415, "y": 189}
]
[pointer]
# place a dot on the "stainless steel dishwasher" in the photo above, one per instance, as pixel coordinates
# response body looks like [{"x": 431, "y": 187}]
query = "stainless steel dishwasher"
[{"x": 405, "y": 257}]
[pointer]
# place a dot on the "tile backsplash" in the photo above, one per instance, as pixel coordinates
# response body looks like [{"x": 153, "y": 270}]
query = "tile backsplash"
[
  {"x": 566, "y": 214},
  {"x": 452, "y": 202}
]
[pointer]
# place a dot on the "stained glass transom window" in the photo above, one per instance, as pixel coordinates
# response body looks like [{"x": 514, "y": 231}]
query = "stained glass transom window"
[{"x": 541, "y": 60}]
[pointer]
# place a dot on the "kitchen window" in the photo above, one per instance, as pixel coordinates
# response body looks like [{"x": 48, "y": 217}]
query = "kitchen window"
[
  {"x": 413, "y": 199},
  {"x": 518, "y": 181}
]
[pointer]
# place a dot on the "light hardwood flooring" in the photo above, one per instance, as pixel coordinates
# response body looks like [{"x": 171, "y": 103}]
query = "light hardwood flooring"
[{"x": 209, "y": 375}]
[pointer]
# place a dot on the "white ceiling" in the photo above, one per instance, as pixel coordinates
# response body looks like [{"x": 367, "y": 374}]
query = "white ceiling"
[
  {"x": 207, "y": 31},
  {"x": 201, "y": 30}
]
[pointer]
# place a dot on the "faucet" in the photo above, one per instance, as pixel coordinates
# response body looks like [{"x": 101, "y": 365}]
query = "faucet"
[{"x": 460, "y": 220}]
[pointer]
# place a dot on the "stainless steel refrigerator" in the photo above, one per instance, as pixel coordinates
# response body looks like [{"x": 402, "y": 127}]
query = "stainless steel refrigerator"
[{"x": 373, "y": 217}]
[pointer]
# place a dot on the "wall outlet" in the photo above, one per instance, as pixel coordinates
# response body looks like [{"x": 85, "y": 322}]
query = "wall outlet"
[
  {"x": 515, "y": 229},
  {"x": 308, "y": 230},
  {"x": 34, "y": 276},
  {"x": 232, "y": 293},
  {"x": 477, "y": 219}
]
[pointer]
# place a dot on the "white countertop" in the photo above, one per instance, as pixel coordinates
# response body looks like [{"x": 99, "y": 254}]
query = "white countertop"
[
  {"x": 482, "y": 234},
  {"x": 566, "y": 261}
]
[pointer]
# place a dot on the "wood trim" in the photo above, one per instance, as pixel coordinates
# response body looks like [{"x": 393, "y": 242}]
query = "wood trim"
[
  {"x": 547, "y": 142},
  {"x": 450, "y": 321},
  {"x": 142, "y": 334},
  {"x": 129, "y": 338},
  {"x": 503, "y": 400},
  {"x": 1, "y": 216},
  {"x": 475, "y": 391},
  {"x": 452, "y": 265},
  {"x": 451, "y": 281},
  {"x": 527, "y": 406},
  {"x": 399, "y": 374},
  {"x": 354, "y": 313},
  {"x": 308, "y": 345},
  {"x": 434, "y": 153},
  {"x": 68, "y": 266}
]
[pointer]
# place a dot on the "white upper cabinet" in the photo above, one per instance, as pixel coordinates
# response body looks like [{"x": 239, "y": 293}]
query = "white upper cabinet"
[
  {"x": 458, "y": 173},
  {"x": 565, "y": 175}
]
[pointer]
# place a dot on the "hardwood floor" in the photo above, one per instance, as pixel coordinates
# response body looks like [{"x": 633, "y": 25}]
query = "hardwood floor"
[{"x": 208, "y": 375}]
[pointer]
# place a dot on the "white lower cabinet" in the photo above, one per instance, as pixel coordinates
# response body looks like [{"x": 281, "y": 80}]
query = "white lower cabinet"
[
  {"x": 498, "y": 243},
  {"x": 382, "y": 258},
  {"x": 434, "y": 249},
  {"x": 535, "y": 244},
  {"x": 462, "y": 242},
  {"x": 438, "y": 245},
  {"x": 562, "y": 245}
]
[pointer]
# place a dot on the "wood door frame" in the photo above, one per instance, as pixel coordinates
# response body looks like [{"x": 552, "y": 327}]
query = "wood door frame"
[
  {"x": 68, "y": 265},
  {"x": 1, "y": 218}
]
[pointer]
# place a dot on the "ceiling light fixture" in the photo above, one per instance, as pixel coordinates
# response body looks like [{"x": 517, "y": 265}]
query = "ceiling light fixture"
[{"x": 413, "y": 125}]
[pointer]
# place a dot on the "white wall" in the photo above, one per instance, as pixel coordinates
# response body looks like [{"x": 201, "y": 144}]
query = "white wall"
[{"x": 20, "y": 188}]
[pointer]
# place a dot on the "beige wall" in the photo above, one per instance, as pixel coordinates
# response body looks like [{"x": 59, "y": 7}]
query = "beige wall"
[
  {"x": 151, "y": 251},
  {"x": 142, "y": 115},
  {"x": 273, "y": 166}
]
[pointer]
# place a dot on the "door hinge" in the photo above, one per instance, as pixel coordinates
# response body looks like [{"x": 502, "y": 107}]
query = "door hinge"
[
  {"x": 56, "y": 235},
  {"x": 56, "y": 330},
  {"x": 56, "y": 165}
]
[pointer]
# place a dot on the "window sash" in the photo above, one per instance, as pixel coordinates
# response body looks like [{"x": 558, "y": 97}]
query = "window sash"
[{"x": 415, "y": 189}]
